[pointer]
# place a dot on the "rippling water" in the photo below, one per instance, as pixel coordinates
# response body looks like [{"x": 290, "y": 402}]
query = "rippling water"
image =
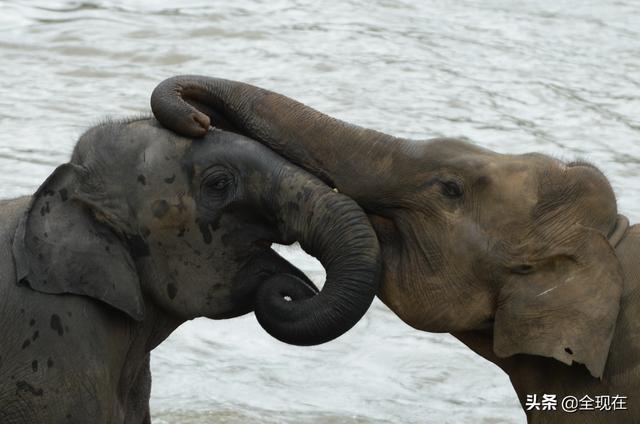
[{"x": 559, "y": 77}]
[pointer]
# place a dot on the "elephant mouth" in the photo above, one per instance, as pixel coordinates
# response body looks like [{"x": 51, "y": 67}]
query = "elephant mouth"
[
  {"x": 486, "y": 325},
  {"x": 256, "y": 272}
]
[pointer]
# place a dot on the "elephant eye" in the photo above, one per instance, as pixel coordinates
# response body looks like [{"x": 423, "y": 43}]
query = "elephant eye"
[
  {"x": 218, "y": 182},
  {"x": 451, "y": 188},
  {"x": 522, "y": 269}
]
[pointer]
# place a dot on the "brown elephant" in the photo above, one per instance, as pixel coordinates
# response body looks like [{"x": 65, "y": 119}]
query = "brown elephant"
[{"x": 523, "y": 258}]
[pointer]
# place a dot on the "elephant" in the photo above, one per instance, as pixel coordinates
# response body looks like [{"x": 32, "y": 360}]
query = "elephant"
[
  {"x": 524, "y": 258},
  {"x": 143, "y": 230}
]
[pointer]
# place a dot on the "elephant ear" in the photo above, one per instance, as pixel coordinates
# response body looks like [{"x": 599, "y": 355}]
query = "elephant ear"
[
  {"x": 567, "y": 308},
  {"x": 60, "y": 247}
]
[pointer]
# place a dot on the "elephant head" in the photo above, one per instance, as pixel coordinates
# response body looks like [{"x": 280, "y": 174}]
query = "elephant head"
[
  {"x": 470, "y": 239},
  {"x": 142, "y": 214}
]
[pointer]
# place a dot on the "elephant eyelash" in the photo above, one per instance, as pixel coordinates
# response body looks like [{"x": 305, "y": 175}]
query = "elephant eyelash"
[
  {"x": 522, "y": 269},
  {"x": 219, "y": 183},
  {"x": 451, "y": 189}
]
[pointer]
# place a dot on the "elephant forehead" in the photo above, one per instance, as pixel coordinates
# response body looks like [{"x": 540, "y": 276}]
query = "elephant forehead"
[
  {"x": 154, "y": 140},
  {"x": 163, "y": 195},
  {"x": 161, "y": 162},
  {"x": 507, "y": 196}
]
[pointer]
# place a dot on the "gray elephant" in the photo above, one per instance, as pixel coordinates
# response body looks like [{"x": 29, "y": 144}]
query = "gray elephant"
[
  {"x": 144, "y": 229},
  {"x": 522, "y": 257}
]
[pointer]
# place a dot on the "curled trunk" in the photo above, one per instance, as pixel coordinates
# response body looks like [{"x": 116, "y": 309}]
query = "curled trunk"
[{"x": 333, "y": 228}]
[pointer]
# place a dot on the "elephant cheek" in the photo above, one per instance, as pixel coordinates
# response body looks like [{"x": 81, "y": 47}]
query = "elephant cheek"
[
  {"x": 171, "y": 215},
  {"x": 462, "y": 311},
  {"x": 428, "y": 305},
  {"x": 392, "y": 298},
  {"x": 232, "y": 301},
  {"x": 234, "y": 298}
]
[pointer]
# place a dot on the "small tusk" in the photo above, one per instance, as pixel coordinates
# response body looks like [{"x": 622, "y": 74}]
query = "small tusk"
[
  {"x": 547, "y": 291},
  {"x": 335, "y": 190}
]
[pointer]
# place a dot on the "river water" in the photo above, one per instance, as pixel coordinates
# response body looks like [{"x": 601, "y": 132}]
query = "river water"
[{"x": 559, "y": 77}]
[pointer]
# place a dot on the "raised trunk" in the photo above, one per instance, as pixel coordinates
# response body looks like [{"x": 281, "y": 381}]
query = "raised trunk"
[
  {"x": 356, "y": 160},
  {"x": 333, "y": 228}
]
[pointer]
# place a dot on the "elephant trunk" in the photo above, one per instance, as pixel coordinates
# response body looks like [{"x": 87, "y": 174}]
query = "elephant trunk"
[
  {"x": 356, "y": 160},
  {"x": 333, "y": 228}
]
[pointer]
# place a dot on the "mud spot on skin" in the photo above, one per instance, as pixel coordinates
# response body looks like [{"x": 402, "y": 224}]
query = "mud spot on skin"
[
  {"x": 63, "y": 194},
  {"x": 23, "y": 386},
  {"x": 172, "y": 291},
  {"x": 56, "y": 324},
  {"x": 26, "y": 344},
  {"x": 45, "y": 209},
  {"x": 35, "y": 336},
  {"x": 32, "y": 322},
  {"x": 49, "y": 363},
  {"x": 142, "y": 180},
  {"x": 206, "y": 233},
  {"x": 160, "y": 208},
  {"x": 170, "y": 180},
  {"x": 181, "y": 232},
  {"x": 34, "y": 365}
]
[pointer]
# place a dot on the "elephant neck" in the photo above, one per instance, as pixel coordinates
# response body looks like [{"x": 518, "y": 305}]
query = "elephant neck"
[
  {"x": 142, "y": 338},
  {"x": 537, "y": 375},
  {"x": 153, "y": 330}
]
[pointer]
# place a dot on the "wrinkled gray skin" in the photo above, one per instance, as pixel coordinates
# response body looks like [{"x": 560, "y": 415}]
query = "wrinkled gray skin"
[
  {"x": 144, "y": 229},
  {"x": 522, "y": 257}
]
